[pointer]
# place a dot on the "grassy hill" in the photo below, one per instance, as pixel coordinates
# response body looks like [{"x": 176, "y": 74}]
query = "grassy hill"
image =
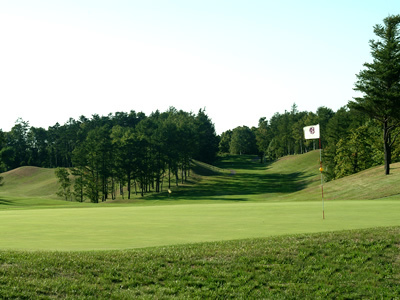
[
  {"x": 30, "y": 182},
  {"x": 31, "y": 187},
  {"x": 232, "y": 178},
  {"x": 291, "y": 178}
]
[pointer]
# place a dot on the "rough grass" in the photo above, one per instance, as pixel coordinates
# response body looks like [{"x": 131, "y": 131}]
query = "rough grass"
[{"x": 362, "y": 264}]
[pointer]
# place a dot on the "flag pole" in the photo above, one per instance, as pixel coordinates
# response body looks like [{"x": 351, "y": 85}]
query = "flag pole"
[
  {"x": 312, "y": 133},
  {"x": 322, "y": 181}
]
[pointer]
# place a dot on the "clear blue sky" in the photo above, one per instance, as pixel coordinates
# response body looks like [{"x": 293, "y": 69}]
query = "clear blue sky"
[{"x": 241, "y": 60}]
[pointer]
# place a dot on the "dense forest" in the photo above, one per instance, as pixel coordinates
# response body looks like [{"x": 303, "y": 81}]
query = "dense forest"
[
  {"x": 351, "y": 141},
  {"x": 108, "y": 152},
  {"x": 142, "y": 152}
]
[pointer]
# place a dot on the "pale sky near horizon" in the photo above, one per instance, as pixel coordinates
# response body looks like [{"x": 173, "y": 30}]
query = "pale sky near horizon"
[{"x": 240, "y": 60}]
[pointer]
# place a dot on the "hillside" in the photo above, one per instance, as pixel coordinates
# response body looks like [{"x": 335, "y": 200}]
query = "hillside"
[
  {"x": 366, "y": 185},
  {"x": 232, "y": 178},
  {"x": 30, "y": 182},
  {"x": 297, "y": 178}
]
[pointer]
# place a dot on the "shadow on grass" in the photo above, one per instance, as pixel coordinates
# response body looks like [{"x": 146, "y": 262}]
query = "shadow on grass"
[
  {"x": 249, "y": 184},
  {"x": 242, "y": 162},
  {"x": 5, "y": 202},
  {"x": 231, "y": 178}
]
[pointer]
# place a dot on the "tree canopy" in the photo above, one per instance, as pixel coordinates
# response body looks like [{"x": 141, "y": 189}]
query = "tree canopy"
[
  {"x": 379, "y": 83},
  {"x": 106, "y": 153}
]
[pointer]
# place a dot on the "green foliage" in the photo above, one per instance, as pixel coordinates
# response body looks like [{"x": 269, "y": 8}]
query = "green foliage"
[
  {"x": 360, "y": 150},
  {"x": 262, "y": 136},
  {"x": 111, "y": 152},
  {"x": 283, "y": 134},
  {"x": 243, "y": 141},
  {"x": 206, "y": 138},
  {"x": 8, "y": 158},
  {"x": 225, "y": 141},
  {"x": 194, "y": 136},
  {"x": 64, "y": 181},
  {"x": 379, "y": 83}
]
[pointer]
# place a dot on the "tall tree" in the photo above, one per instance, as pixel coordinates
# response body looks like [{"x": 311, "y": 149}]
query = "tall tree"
[
  {"x": 64, "y": 190},
  {"x": 224, "y": 141},
  {"x": 379, "y": 83},
  {"x": 243, "y": 141},
  {"x": 207, "y": 140},
  {"x": 38, "y": 146},
  {"x": 18, "y": 140},
  {"x": 263, "y": 137}
]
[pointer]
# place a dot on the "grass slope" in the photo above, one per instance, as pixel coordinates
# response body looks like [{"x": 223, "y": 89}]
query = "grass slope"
[
  {"x": 30, "y": 182},
  {"x": 362, "y": 264},
  {"x": 366, "y": 185},
  {"x": 232, "y": 179}
]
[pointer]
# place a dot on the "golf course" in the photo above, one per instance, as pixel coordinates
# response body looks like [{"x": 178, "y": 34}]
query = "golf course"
[{"x": 238, "y": 228}]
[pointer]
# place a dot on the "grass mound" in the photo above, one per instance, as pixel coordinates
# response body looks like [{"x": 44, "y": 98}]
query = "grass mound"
[
  {"x": 30, "y": 182},
  {"x": 366, "y": 185}
]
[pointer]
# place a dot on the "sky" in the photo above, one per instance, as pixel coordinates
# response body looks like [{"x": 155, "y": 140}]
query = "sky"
[{"x": 238, "y": 60}]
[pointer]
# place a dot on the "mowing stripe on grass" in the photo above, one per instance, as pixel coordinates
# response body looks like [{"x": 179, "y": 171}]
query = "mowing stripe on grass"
[{"x": 137, "y": 227}]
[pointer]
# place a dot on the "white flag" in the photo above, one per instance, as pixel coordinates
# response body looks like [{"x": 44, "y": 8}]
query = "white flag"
[{"x": 311, "y": 132}]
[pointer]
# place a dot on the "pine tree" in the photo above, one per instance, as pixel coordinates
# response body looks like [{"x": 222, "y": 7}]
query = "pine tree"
[
  {"x": 64, "y": 190},
  {"x": 379, "y": 83}
]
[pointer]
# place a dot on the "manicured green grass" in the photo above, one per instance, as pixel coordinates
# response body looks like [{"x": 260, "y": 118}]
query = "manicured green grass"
[
  {"x": 362, "y": 264},
  {"x": 146, "y": 226}
]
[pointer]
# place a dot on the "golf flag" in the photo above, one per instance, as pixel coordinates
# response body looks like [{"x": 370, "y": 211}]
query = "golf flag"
[{"x": 311, "y": 132}]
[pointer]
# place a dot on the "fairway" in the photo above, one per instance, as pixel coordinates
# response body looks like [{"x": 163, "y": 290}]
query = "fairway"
[{"x": 137, "y": 227}]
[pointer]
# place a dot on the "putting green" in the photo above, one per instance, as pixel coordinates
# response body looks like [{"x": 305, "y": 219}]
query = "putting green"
[{"x": 136, "y": 227}]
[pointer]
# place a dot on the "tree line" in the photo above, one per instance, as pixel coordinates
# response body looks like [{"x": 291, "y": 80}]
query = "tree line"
[
  {"x": 356, "y": 137},
  {"x": 105, "y": 154},
  {"x": 138, "y": 151},
  {"x": 351, "y": 141}
]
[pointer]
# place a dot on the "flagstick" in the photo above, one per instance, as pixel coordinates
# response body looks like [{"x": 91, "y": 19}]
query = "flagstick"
[
  {"x": 313, "y": 133},
  {"x": 322, "y": 182}
]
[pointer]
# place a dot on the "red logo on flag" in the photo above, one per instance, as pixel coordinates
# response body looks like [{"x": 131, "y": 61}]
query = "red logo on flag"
[{"x": 312, "y": 130}]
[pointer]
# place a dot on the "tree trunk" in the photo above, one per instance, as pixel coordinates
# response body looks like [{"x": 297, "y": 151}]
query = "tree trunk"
[
  {"x": 121, "y": 190},
  {"x": 129, "y": 186},
  {"x": 387, "y": 150}
]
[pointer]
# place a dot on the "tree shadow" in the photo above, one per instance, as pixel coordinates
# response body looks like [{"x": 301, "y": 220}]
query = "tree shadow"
[
  {"x": 239, "y": 184},
  {"x": 248, "y": 184},
  {"x": 231, "y": 178},
  {"x": 242, "y": 162},
  {"x": 5, "y": 202}
]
